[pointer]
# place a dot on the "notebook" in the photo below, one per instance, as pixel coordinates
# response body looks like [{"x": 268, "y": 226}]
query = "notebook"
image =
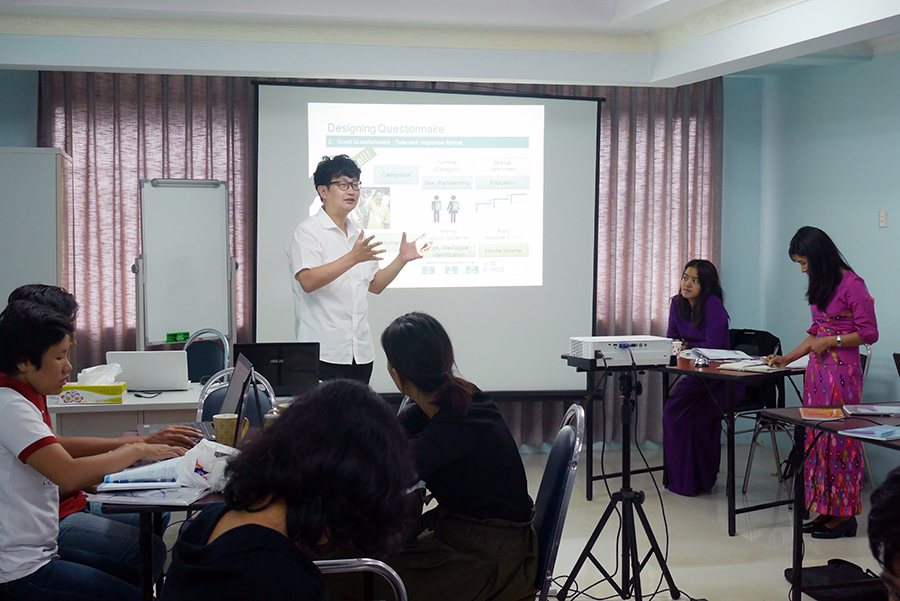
[
  {"x": 152, "y": 370},
  {"x": 290, "y": 367}
]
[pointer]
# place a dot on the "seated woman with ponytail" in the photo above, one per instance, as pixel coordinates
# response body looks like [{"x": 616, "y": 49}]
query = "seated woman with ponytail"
[{"x": 478, "y": 542}]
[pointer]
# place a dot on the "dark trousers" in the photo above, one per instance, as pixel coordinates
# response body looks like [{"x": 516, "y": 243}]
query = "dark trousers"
[{"x": 361, "y": 372}]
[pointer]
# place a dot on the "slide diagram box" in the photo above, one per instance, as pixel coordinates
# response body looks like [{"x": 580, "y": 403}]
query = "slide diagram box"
[
  {"x": 503, "y": 250},
  {"x": 395, "y": 174},
  {"x": 463, "y": 182},
  {"x": 453, "y": 251},
  {"x": 502, "y": 182}
]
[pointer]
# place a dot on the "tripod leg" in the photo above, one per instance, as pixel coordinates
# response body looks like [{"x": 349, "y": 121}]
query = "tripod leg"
[
  {"x": 654, "y": 545},
  {"x": 630, "y": 559},
  {"x": 589, "y": 546}
]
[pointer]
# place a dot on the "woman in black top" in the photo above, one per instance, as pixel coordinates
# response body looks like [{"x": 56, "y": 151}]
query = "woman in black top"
[
  {"x": 478, "y": 542},
  {"x": 328, "y": 479}
]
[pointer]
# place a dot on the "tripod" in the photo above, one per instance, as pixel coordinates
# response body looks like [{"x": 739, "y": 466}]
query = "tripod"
[{"x": 631, "y": 501}]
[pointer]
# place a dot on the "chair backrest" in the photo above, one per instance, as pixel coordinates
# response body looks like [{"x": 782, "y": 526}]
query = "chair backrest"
[
  {"x": 865, "y": 360},
  {"x": 332, "y": 566},
  {"x": 213, "y": 394},
  {"x": 897, "y": 362},
  {"x": 206, "y": 356},
  {"x": 769, "y": 393},
  {"x": 553, "y": 496}
]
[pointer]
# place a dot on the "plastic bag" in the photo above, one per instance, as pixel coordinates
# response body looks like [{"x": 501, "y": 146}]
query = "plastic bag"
[{"x": 204, "y": 466}]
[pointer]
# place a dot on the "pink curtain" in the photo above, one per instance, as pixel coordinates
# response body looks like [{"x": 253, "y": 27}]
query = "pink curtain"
[
  {"x": 120, "y": 129},
  {"x": 660, "y": 199}
]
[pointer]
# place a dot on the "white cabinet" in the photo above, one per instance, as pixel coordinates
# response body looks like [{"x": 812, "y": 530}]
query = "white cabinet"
[{"x": 34, "y": 184}]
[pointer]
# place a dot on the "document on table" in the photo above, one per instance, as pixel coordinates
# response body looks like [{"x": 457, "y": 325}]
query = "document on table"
[
  {"x": 757, "y": 365},
  {"x": 161, "y": 471},
  {"x": 181, "y": 496},
  {"x": 719, "y": 354},
  {"x": 874, "y": 432},
  {"x": 868, "y": 410}
]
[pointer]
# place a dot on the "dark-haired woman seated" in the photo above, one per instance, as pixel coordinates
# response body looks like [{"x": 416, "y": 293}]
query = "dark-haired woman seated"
[
  {"x": 327, "y": 479},
  {"x": 693, "y": 413},
  {"x": 478, "y": 543}
]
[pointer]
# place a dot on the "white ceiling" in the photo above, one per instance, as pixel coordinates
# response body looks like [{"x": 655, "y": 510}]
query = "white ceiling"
[
  {"x": 594, "y": 16},
  {"x": 592, "y": 42}
]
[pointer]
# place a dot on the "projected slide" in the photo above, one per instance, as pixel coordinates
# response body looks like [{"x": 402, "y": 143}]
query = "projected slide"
[{"x": 471, "y": 178}]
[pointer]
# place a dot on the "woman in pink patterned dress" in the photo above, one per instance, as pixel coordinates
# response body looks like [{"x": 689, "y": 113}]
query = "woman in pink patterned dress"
[{"x": 843, "y": 314}]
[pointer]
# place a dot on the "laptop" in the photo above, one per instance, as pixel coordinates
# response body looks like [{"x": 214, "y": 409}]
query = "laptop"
[
  {"x": 233, "y": 402},
  {"x": 152, "y": 370},
  {"x": 290, "y": 367}
]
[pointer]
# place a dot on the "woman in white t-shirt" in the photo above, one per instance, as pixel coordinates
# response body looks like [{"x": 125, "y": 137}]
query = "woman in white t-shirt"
[{"x": 34, "y": 348}]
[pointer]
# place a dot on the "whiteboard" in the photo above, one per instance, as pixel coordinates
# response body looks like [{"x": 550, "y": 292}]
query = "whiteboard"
[{"x": 185, "y": 267}]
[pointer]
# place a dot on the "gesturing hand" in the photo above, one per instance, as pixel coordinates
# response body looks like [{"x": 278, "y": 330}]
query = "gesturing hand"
[
  {"x": 410, "y": 251},
  {"x": 364, "y": 249}
]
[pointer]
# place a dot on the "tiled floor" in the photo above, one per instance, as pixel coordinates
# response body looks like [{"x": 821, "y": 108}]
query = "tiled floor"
[{"x": 704, "y": 561}]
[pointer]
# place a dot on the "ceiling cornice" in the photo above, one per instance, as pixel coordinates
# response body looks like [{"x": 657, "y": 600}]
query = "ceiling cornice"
[
  {"x": 306, "y": 33},
  {"x": 715, "y": 19}
]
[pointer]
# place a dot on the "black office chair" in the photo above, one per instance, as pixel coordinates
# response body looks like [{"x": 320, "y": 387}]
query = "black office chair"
[
  {"x": 553, "y": 496},
  {"x": 207, "y": 354},
  {"x": 762, "y": 395}
]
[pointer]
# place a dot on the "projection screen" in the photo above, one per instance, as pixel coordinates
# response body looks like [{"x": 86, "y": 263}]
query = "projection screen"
[{"x": 504, "y": 188}]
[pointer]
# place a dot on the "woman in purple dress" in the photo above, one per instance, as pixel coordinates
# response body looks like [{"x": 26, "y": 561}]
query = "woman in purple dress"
[
  {"x": 843, "y": 319},
  {"x": 693, "y": 412}
]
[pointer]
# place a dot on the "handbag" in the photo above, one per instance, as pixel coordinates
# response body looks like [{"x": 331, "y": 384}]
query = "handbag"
[{"x": 840, "y": 580}]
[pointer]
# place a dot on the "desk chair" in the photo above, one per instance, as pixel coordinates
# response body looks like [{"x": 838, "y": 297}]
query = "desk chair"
[
  {"x": 553, "y": 496},
  {"x": 766, "y": 395},
  {"x": 865, "y": 360},
  {"x": 207, "y": 353},
  {"x": 213, "y": 395},
  {"x": 338, "y": 566}
]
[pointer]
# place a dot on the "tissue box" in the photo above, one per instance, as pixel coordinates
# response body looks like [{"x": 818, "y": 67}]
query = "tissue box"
[{"x": 81, "y": 394}]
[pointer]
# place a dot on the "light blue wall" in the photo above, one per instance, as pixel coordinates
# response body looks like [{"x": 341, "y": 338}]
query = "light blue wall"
[
  {"x": 740, "y": 205},
  {"x": 18, "y": 108},
  {"x": 829, "y": 156}
]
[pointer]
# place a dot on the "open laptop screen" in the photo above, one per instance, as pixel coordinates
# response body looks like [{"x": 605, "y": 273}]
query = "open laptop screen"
[
  {"x": 237, "y": 385},
  {"x": 290, "y": 367}
]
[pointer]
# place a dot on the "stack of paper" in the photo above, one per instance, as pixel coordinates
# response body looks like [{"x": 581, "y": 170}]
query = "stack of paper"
[
  {"x": 868, "y": 410},
  {"x": 718, "y": 354},
  {"x": 757, "y": 365},
  {"x": 152, "y": 484},
  {"x": 180, "y": 496}
]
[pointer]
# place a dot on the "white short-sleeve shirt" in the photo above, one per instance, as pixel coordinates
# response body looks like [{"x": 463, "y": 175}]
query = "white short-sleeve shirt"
[
  {"x": 29, "y": 502},
  {"x": 335, "y": 315}
]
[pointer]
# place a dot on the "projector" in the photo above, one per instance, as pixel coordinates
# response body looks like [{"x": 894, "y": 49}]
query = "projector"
[{"x": 617, "y": 351}]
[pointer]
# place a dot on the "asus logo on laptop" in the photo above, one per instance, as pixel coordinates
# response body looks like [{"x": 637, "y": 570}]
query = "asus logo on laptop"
[{"x": 276, "y": 360}]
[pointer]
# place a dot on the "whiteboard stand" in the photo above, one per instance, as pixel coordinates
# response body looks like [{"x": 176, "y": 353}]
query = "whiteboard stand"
[{"x": 185, "y": 277}]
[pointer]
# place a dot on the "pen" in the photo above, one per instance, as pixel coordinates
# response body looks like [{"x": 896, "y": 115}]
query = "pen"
[{"x": 774, "y": 353}]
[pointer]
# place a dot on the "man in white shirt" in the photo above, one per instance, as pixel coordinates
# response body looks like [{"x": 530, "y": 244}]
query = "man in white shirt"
[{"x": 334, "y": 266}]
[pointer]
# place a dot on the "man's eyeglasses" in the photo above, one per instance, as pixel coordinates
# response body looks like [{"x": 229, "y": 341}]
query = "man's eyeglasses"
[{"x": 345, "y": 185}]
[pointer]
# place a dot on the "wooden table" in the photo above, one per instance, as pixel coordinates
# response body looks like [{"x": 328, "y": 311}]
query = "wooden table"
[{"x": 730, "y": 377}]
